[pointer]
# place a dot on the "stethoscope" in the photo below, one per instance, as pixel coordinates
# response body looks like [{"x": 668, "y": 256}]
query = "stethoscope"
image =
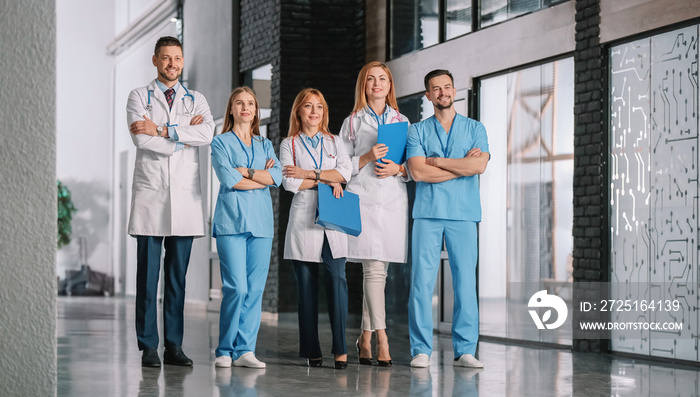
[
  {"x": 380, "y": 121},
  {"x": 323, "y": 148},
  {"x": 187, "y": 98}
]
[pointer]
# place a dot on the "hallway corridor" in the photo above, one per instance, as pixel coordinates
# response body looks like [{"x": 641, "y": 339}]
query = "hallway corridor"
[{"x": 98, "y": 356}]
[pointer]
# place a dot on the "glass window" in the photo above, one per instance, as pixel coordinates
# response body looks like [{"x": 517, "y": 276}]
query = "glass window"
[
  {"x": 494, "y": 11},
  {"x": 417, "y": 24},
  {"x": 653, "y": 179},
  {"x": 416, "y": 107},
  {"x": 414, "y": 25},
  {"x": 527, "y": 197},
  {"x": 458, "y": 18}
]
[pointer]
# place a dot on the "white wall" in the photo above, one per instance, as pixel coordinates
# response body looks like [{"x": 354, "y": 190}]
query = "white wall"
[
  {"x": 28, "y": 197},
  {"x": 83, "y": 128}
]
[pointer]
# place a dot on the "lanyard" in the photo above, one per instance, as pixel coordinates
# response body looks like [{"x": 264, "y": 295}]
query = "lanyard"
[
  {"x": 252, "y": 149},
  {"x": 446, "y": 145},
  {"x": 381, "y": 121},
  {"x": 320, "y": 163}
]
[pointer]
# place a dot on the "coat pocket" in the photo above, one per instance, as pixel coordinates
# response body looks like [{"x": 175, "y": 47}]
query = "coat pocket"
[
  {"x": 147, "y": 175},
  {"x": 190, "y": 176}
]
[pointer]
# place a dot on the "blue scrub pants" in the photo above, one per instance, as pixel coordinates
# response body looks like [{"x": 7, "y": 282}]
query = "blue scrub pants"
[
  {"x": 244, "y": 262},
  {"x": 461, "y": 242},
  {"x": 307, "y": 300},
  {"x": 177, "y": 256}
]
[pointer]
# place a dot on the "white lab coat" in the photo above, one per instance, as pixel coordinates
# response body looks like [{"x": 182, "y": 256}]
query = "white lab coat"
[
  {"x": 383, "y": 202},
  {"x": 166, "y": 195},
  {"x": 304, "y": 239}
]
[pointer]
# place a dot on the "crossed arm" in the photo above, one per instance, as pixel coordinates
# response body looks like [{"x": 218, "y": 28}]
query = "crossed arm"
[
  {"x": 440, "y": 169},
  {"x": 331, "y": 178},
  {"x": 261, "y": 178}
]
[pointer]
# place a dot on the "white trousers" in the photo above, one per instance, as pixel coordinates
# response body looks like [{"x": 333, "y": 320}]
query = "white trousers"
[{"x": 373, "y": 282}]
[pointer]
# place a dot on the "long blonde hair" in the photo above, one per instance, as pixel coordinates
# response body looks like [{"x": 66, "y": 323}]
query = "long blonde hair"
[
  {"x": 228, "y": 120},
  {"x": 301, "y": 99},
  {"x": 361, "y": 87}
]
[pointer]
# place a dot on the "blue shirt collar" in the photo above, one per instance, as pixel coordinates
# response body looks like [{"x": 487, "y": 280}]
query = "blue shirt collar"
[
  {"x": 313, "y": 140},
  {"x": 163, "y": 86}
]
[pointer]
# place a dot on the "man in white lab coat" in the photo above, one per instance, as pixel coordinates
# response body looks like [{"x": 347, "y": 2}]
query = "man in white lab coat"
[{"x": 167, "y": 123}]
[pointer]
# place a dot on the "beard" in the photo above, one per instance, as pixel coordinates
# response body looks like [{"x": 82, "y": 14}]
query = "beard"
[
  {"x": 164, "y": 76},
  {"x": 443, "y": 107}
]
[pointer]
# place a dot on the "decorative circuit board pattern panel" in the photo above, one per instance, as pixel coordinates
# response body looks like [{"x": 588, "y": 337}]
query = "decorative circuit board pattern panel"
[{"x": 654, "y": 188}]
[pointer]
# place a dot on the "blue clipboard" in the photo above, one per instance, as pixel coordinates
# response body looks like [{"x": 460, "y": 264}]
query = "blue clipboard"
[
  {"x": 341, "y": 214},
  {"x": 394, "y": 136}
]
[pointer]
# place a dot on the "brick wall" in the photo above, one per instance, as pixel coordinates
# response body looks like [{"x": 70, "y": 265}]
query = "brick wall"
[
  {"x": 590, "y": 255},
  {"x": 259, "y": 45},
  {"x": 310, "y": 43}
]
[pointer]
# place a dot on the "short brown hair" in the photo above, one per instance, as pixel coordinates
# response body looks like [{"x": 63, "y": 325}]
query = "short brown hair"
[
  {"x": 436, "y": 73},
  {"x": 166, "y": 41}
]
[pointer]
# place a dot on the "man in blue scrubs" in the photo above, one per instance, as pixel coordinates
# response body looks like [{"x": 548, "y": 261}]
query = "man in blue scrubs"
[{"x": 446, "y": 153}]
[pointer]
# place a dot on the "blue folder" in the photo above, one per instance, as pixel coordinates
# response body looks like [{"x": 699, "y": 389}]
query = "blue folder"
[
  {"x": 394, "y": 136},
  {"x": 341, "y": 214}
]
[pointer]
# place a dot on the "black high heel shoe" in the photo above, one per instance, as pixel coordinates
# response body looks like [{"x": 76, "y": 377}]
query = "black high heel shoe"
[
  {"x": 316, "y": 362},
  {"x": 383, "y": 363},
  {"x": 341, "y": 364},
  {"x": 363, "y": 360}
]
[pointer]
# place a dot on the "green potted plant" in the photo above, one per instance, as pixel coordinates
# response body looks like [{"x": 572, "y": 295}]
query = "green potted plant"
[{"x": 65, "y": 214}]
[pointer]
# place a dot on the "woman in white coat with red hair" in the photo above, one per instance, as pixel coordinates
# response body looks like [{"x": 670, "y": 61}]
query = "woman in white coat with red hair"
[
  {"x": 311, "y": 155},
  {"x": 381, "y": 185}
]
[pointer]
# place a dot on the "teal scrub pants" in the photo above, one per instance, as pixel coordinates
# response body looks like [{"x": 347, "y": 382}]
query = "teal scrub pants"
[
  {"x": 244, "y": 262},
  {"x": 461, "y": 242}
]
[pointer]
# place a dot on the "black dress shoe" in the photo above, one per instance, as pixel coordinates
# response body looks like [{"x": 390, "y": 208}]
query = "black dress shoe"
[
  {"x": 363, "y": 360},
  {"x": 150, "y": 358},
  {"x": 341, "y": 364},
  {"x": 385, "y": 363},
  {"x": 176, "y": 357},
  {"x": 315, "y": 362}
]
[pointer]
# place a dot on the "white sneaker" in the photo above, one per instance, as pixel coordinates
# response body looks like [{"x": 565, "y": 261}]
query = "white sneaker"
[
  {"x": 248, "y": 360},
  {"x": 420, "y": 361},
  {"x": 469, "y": 361},
  {"x": 223, "y": 362}
]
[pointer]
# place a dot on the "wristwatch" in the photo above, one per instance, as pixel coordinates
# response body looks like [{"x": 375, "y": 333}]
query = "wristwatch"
[
  {"x": 160, "y": 130},
  {"x": 251, "y": 172},
  {"x": 318, "y": 174}
]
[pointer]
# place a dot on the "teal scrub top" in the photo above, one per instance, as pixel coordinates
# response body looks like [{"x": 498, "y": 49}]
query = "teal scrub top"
[
  {"x": 242, "y": 211},
  {"x": 456, "y": 199}
]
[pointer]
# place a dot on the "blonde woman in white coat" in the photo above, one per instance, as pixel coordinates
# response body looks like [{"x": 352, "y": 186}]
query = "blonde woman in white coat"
[
  {"x": 311, "y": 155},
  {"x": 381, "y": 185}
]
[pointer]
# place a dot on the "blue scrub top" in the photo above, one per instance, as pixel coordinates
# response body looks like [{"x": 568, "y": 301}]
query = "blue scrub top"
[
  {"x": 242, "y": 211},
  {"x": 456, "y": 199}
]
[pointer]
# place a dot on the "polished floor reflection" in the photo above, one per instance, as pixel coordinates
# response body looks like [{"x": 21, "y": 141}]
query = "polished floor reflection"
[{"x": 97, "y": 356}]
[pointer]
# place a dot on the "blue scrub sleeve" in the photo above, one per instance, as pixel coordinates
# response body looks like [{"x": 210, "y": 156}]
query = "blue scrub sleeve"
[
  {"x": 414, "y": 148},
  {"x": 220, "y": 160},
  {"x": 481, "y": 140},
  {"x": 276, "y": 170}
]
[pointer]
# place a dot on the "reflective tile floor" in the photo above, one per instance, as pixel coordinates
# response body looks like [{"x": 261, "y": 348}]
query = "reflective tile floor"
[{"x": 98, "y": 356}]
